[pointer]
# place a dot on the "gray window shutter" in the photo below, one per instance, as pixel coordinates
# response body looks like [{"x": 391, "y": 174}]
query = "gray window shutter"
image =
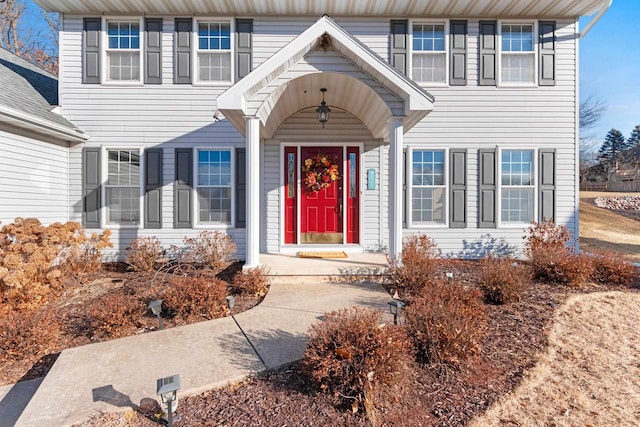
[
  {"x": 182, "y": 51},
  {"x": 547, "y": 52},
  {"x": 488, "y": 53},
  {"x": 153, "y": 188},
  {"x": 153, "y": 51},
  {"x": 91, "y": 187},
  {"x": 244, "y": 45},
  {"x": 458, "y": 188},
  {"x": 183, "y": 217},
  {"x": 547, "y": 184},
  {"x": 91, "y": 45},
  {"x": 487, "y": 202},
  {"x": 458, "y": 53},
  {"x": 241, "y": 188},
  {"x": 398, "y": 51}
]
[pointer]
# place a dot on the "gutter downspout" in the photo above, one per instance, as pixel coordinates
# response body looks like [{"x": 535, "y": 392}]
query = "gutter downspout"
[{"x": 596, "y": 18}]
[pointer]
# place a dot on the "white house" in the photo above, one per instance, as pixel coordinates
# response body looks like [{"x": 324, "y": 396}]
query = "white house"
[{"x": 458, "y": 119}]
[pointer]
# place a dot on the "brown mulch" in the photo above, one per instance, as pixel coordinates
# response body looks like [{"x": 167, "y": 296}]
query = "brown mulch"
[
  {"x": 79, "y": 291},
  {"x": 435, "y": 396}
]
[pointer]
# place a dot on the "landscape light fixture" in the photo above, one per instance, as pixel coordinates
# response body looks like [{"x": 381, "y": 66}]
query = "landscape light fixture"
[
  {"x": 449, "y": 276},
  {"x": 167, "y": 388},
  {"x": 323, "y": 110},
  {"x": 231, "y": 301},
  {"x": 156, "y": 308},
  {"x": 395, "y": 307}
]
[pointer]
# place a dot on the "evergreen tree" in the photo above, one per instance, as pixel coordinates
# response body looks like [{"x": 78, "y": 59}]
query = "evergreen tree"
[
  {"x": 613, "y": 145},
  {"x": 634, "y": 139}
]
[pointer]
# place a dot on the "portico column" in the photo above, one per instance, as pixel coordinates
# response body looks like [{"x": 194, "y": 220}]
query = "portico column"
[
  {"x": 396, "y": 135},
  {"x": 253, "y": 192}
]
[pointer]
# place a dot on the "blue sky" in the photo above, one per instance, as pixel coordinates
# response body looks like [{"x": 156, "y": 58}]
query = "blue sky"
[{"x": 610, "y": 67}]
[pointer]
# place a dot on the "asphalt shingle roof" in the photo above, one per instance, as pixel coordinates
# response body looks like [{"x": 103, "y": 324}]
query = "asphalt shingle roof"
[{"x": 29, "y": 89}]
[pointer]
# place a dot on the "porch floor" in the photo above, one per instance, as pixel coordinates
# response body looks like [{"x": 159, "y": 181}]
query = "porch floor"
[{"x": 285, "y": 266}]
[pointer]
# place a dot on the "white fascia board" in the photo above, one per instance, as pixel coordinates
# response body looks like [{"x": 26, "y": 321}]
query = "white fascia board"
[{"x": 41, "y": 126}]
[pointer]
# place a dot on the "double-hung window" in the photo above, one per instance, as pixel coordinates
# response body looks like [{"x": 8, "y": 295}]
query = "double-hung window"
[
  {"x": 518, "y": 54},
  {"x": 428, "y": 187},
  {"x": 213, "y": 54},
  {"x": 123, "y": 51},
  {"x": 517, "y": 198},
  {"x": 429, "y": 59},
  {"x": 214, "y": 187},
  {"x": 123, "y": 187}
]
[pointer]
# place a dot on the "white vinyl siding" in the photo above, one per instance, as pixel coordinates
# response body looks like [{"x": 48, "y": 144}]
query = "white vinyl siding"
[
  {"x": 213, "y": 51},
  {"x": 214, "y": 186},
  {"x": 429, "y": 53},
  {"x": 123, "y": 51},
  {"x": 518, "y": 57},
  {"x": 427, "y": 187},
  {"x": 517, "y": 186},
  {"x": 122, "y": 199}
]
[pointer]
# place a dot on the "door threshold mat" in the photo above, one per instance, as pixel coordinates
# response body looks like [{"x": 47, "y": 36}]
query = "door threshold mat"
[{"x": 322, "y": 254}]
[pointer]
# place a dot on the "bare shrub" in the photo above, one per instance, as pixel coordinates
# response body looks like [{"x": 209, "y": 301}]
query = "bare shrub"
[
  {"x": 143, "y": 253},
  {"x": 34, "y": 259},
  {"x": 356, "y": 359},
  {"x": 254, "y": 281},
  {"x": 211, "y": 248},
  {"x": 196, "y": 298},
  {"x": 551, "y": 259},
  {"x": 447, "y": 322},
  {"x": 114, "y": 315},
  {"x": 610, "y": 269},
  {"x": 417, "y": 265},
  {"x": 502, "y": 281},
  {"x": 24, "y": 335}
]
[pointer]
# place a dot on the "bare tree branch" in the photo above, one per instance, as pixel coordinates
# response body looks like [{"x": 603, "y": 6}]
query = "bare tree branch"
[{"x": 591, "y": 111}]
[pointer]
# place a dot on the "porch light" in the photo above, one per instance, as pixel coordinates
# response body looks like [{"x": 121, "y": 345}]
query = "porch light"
[
  {"x": 395, "y": 307},
  {"x": 156, "y": 308},
  {"x": 323, "y": 110},
  {"x": 167, "y": 388}
]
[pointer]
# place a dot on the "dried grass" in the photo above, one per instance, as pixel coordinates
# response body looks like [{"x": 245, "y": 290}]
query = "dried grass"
[{"x": 590, "y": 374}]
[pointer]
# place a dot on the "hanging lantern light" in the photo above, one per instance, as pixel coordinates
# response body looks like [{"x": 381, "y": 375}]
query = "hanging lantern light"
[{"x": 323, "y": 110}]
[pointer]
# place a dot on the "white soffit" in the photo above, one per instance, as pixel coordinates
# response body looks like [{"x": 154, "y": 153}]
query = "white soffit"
[{"x": 364, "y": 8}]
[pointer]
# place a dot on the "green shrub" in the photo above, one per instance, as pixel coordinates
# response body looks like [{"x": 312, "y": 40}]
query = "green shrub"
[
  {"x": 501, "y": 281},
  {"x": 416, "y": 267},
  {"x": 447, "y": 322},
  {"x": 143, "y": 253},
  {"x": 253, "y": 281},
  {"x": 356, "y": 359}
]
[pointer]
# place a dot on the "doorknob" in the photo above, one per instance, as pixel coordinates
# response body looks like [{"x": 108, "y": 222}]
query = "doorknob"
[{"x": 340, "y": 208}]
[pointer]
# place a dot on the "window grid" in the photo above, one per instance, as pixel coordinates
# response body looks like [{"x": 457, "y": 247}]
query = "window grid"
[
  {"x": 214, "y": 186},
  {"x": 518, "y": 56},
  {"x": 428, "y": 187},
  {"x": 517, "y": 179},
  {"x": 123, "y": 187},
  {"x": 429, "y": 53},
  {"x": 214, "y": 51},
  {"x": 123, "y": 51}
]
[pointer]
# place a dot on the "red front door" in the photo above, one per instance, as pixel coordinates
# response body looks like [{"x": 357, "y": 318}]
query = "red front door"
[{"x": 317, "y": 216}]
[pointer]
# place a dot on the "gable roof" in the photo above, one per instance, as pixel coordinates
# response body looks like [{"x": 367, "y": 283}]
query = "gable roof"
[
  {"x": 235, "y": 101},
  {"x": 360, "y": 8},
  {"x": 28, "y": 96}
]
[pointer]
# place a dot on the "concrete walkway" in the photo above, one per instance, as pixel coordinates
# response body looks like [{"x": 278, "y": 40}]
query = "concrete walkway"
[{"x": 119, "y": 374}]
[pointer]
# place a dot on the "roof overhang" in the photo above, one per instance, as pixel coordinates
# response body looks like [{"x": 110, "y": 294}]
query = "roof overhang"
[
  {"x": 235, "y": 103},
  {"x": 46, "y": 128},
  {"x": 361, "y": 8}
]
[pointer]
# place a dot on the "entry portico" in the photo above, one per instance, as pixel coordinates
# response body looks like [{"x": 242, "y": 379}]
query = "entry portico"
[{"x": 361, "y": 86}]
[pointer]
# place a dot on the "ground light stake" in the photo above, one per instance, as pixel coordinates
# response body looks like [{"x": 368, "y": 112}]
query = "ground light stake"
[{"x": 167, "y": 389}]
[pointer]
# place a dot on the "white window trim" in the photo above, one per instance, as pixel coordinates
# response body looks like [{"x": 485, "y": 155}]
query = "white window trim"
[
  {"x": 534, "y": 53},
  {"x": 104, "y": 43},
  {"x": 195, "y": 50},
  {"x": 446, "y": 51},
  {"x": 104, "y": 164},
  {"x": 534, "y": 216},
  {"x": 195, "y": 205},
  {"x": 409, "y": 181}
]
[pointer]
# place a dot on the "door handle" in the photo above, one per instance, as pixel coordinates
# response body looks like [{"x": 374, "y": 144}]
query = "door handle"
[{"x": 340, "y": 208}]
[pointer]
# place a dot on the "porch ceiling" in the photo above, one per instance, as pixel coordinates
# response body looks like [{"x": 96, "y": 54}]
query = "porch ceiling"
[{"x": 415, "y": 8}]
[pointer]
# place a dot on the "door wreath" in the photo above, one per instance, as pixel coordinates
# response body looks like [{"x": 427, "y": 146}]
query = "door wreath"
[{"x": 319, "y": 172}]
